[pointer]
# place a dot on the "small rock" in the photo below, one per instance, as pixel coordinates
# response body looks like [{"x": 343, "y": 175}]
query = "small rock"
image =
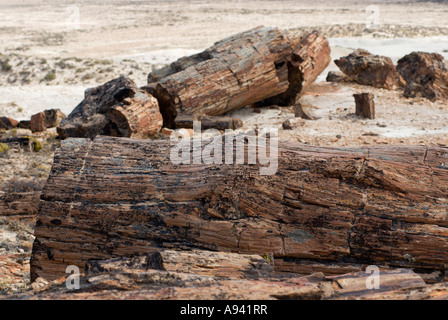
[
  {"x": 287, "y": 125},
  {"x": 8, "y": 123}
]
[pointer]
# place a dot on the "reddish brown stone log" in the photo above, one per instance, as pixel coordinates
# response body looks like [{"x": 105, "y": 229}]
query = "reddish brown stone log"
[
  {"x": 426, "y": 75},
  {"x": 38, "y": 122},
  {"x": 117, "y": 108},
  {"x": 325, "y": 210},
  {"x": 238, "y": 71},
  {"x": 365, "y": 105}
]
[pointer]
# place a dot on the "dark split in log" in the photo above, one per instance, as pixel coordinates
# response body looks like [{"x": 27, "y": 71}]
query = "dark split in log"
[{"x": 308, "y": 60}]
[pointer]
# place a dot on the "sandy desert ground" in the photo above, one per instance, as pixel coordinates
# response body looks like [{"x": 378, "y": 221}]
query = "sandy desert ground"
[{"x": 51, "y": 51}]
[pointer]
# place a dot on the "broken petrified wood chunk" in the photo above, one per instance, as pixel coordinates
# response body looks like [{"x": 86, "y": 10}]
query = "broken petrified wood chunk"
[
  {"x": 117, "y": 108},
  {"x": 207, "y": 122},
  {"x": 237, "y": 71},
  {"x": 25, "y": 124},
  {"x": 38, "y": 122},
  {"x": 426, "y": 75},
  {"x": 8, "y": 123},
  {"x": 373, "y": 70},
  {"x": 325, "y": 209},
  {"x": 337, "y": 76},
  {"x": 46, "y": 119},
  {"x": 135, "y": 117},
  {"x": 365, "y": 105}
]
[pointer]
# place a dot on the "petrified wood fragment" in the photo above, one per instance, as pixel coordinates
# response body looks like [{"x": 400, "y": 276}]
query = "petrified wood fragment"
[
  {"x": 365, "y": 105},
  {"x": 325, "y": 210},
  {"x": 207, "y": 122},
  {"x": 368, "y": 69},
  {"x": 117, "y": 108},
  {"x": 426, "y": 75}
]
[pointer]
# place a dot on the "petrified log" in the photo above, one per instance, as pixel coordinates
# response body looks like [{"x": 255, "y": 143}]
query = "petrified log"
[
  {"x": 325, "y": 210},
  {"x": 309, "y": 59},
  {"x": 207, "y": 122},
  {"x": 8, "y": 123},
  {"x": 238, "y": 71},
  {"x": 365, "y": 105},
  {"x": 117, "y": 108},
  {"x": 372, "y": 70},
  {"x": 426, "y": 75}
]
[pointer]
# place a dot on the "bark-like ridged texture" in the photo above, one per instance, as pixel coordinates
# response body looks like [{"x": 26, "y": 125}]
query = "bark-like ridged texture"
[
  {"x": 426, "y": 75},
  {"x": 117, "y": 108},
  {"x": 326, "y": 209},
  {"x": 237, "y": 71},
  {"x": 309, "y": 59},
  {"x": 19, "y": 205},
  {"x": 365, "y": 68}
]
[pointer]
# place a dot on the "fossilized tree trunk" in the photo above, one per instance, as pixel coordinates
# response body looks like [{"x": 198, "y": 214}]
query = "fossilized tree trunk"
[
  {"x": 238, "y": 71},
  {"x": 328, "y": 210}
]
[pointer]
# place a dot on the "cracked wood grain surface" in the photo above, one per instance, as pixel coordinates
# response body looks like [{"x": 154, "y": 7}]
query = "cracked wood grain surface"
[{"x": 328, "y": 210}]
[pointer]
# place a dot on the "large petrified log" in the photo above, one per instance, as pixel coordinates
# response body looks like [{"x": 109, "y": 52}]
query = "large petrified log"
[
  {"x": 117, "y": 108},
  {"x": 426, "y": 75},
  {"x": 365, "y": 68},
  {"x": 325, "y": 210},
  {"x": 238, "y": 71}
]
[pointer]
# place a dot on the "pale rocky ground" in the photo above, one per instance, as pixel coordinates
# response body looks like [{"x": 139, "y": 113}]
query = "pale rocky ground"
[{"x": 48, "y": 62}]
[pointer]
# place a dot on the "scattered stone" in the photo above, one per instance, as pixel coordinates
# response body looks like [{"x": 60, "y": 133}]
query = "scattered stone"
[
  {"x": 426, "y": 75},
  {"x": 8, "y": 123},
  {"x": 365, "y": 105},
  {"x": 38, "y": 122},
  {"x": 337, "y": 76},
  {"x": 25, "y": 124},
  {"x": 53, "y": 117},
  {"x": 373, "y": 70},
  {"x": 287, "y": 125}
]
